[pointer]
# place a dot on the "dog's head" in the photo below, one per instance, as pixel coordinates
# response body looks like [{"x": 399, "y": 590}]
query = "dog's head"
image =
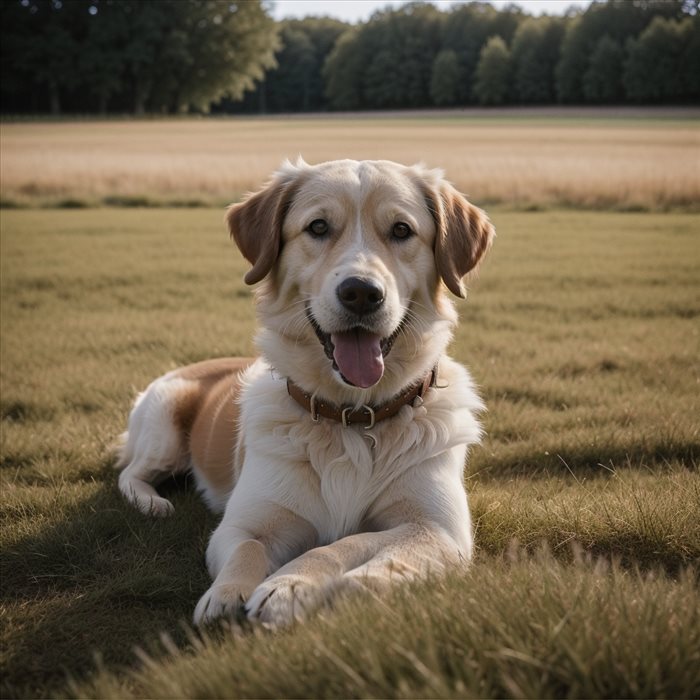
[{"x": 354, "y": 257}]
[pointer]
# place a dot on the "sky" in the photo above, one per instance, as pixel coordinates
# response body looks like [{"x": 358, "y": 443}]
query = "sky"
[{"x": 360, "y": 10}]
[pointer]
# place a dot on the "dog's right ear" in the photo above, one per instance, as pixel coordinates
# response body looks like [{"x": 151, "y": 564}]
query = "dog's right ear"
[{"x": 256, "y": 223}]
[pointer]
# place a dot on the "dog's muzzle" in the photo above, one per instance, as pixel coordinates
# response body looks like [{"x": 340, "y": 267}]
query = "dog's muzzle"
[{"x": 357, "y": 354}]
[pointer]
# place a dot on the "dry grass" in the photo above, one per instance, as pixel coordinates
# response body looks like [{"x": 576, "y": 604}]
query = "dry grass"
[
  {"x": 514, "y": 627},
  {"x": 624, "y": 164},
  {"x": 582, "y": 333}
]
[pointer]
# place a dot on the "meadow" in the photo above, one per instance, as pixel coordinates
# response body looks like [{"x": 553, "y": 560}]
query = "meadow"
[
  {"x": 582, "y": 333},
  {"x": 632, "y": 164}
]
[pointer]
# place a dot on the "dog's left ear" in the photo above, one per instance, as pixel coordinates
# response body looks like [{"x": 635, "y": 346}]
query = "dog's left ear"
[
  {"x": 464, "y": 234},
  {"x": 256, "y": 223}
]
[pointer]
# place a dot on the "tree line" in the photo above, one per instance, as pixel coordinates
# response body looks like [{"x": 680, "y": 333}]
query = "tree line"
[
  {"x": 179, "y": 56},
  {"x": 137, "y": 56}
]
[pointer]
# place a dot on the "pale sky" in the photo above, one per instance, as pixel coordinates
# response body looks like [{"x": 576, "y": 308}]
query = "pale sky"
[{"x": 360, "y": 10}]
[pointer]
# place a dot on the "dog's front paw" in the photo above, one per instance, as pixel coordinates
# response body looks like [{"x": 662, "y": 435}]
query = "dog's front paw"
[
  {"x": 157, "y": 507},
  {"x": 221, "y": 600},
  {"x": 282, "y": 600}
]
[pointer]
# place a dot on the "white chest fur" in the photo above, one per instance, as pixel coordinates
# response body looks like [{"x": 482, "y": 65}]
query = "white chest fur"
[{"x": 342, "y": 475}]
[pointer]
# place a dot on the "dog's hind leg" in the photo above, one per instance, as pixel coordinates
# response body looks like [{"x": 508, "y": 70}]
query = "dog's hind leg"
[{"x": 155, "y": 445}]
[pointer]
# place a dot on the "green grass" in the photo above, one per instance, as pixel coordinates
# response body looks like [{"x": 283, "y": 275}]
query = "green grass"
[{"x": 583, "y": 334}]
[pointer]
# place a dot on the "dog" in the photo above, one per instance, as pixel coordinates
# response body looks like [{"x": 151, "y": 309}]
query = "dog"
[{"x": 337, "y": 456}]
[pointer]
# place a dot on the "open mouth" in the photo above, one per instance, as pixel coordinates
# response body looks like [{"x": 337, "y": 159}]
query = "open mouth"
[{"x": 357, "y": 354}]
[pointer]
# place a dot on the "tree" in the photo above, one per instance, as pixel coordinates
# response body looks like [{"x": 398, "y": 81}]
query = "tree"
[
  {"x": 656, "y": 66},
  {"x": 323, "y": 32},
  {"x": 465, "y": 31},
  {"x": 296, "y": 84},
  {"x": 691, "y": 60},
  {"x": 290, "y": 82},
  {"x": 100, "y": 61},
  {"x": 387, "y": 62},
  {"x": 344, "y": 71},
  {"x": 535, "y": 54},
  {"x": 602, "y": 82},
  {"x": 401, "y": 46},
  {"x": 444, "y": 81},
  {"x": 14, "y": 76},
  {"x": 226, "y": 47},
  {"x": 493, "y": 73},
  {"x": 169, "y": 55},
  {"x": 45, "y": 44},
  {"x": 382, "y": 81},
  {"x": 618, "y": 19}
]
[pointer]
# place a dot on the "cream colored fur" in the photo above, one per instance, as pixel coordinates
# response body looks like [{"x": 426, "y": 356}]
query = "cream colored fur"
[{"x": 314, "y": 508}]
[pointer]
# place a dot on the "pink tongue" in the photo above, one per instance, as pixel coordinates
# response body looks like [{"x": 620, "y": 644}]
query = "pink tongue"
[{"x": 358, "y": 355}]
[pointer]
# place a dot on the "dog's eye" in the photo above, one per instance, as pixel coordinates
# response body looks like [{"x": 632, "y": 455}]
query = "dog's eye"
[
  {"x": 318, "y": 227},
  {"x": 401, "y": 231}
]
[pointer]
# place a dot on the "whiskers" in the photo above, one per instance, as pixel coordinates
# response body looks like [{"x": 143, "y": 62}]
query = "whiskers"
[
  {"x": 409, "y": 332},
  {"x": 296, "y": 323},
  {"x": 415, "y": 326}
]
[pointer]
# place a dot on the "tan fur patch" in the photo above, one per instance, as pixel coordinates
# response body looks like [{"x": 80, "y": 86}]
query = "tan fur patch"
[{"x": 207, "y": 416}]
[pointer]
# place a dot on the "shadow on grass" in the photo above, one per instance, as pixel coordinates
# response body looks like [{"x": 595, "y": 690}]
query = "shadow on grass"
[
  {"x": 583, "y": 461},
  {"x": 101, "y": 578}
]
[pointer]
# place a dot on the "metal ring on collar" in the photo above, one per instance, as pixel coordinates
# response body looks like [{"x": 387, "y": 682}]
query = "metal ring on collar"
[
  {"x": 312, "y": 408},
  {"x": 371, "y": 416},
  {"x": 344, "y": 416}
]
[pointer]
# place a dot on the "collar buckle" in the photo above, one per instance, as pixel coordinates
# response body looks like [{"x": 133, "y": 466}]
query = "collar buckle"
[{"x": 348, "y": 410}]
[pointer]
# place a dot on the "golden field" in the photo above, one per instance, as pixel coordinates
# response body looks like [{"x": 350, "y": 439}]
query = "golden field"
[{"x": 530, "y": 162}]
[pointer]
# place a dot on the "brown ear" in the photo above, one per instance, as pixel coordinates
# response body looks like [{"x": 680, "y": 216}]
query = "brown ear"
[
  {"x": 464, "y": 234},
  {"x": 256, "y": 225}
]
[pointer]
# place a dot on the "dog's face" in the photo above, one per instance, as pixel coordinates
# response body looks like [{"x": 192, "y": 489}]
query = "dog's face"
[{"x": 354, "y": 256}]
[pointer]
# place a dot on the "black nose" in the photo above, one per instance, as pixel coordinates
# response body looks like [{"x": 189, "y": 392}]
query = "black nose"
[{"x": 360, "y": 296}]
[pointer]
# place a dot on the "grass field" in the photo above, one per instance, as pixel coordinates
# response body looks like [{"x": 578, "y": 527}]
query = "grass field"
[
  {"x": 583, "y": 335},
  {"x": 630, "y": 164}
]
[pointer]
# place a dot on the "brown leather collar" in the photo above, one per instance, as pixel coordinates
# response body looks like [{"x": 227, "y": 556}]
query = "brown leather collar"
[{"x": 367, "y": 416}]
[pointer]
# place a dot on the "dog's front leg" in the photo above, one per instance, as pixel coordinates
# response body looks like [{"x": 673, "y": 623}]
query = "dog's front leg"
[
  {"x": 245, "y": 569},
  {"x": 420, "y": 525},
  {"x": 370, "y": 559},
  {"x": 413, "y": 552},
  {"x": 245, "y": 550}
]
